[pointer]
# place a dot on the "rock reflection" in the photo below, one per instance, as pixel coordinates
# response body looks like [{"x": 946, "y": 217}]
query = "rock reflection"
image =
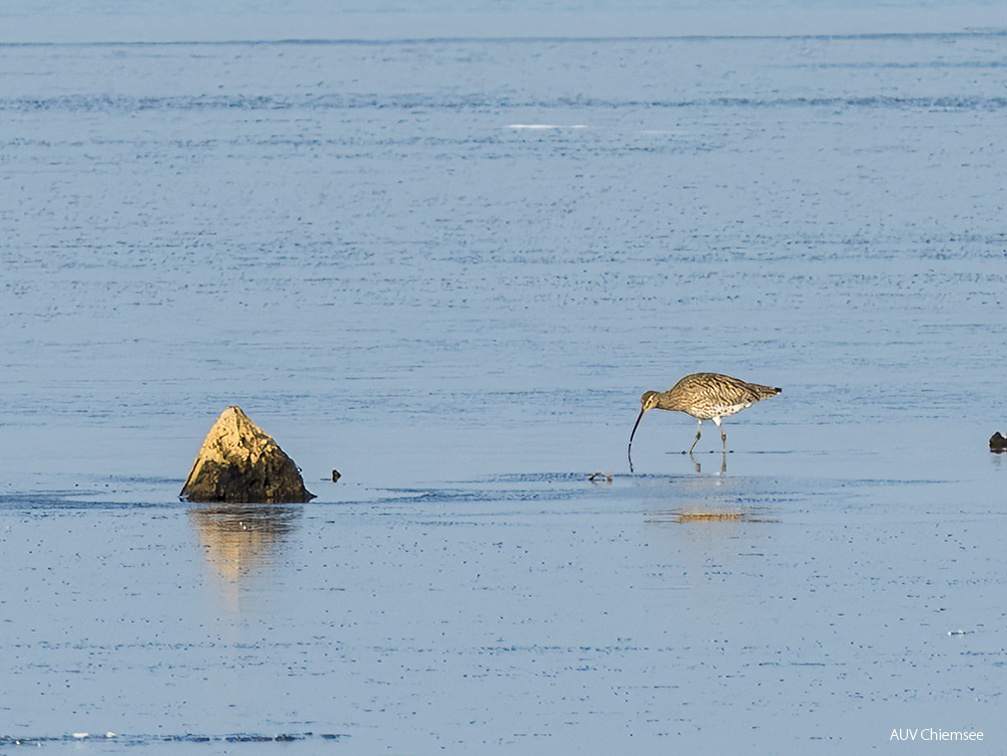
[{"x": 239, "y": 539}]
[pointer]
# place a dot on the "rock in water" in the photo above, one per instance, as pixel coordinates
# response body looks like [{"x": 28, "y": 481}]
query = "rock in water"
[
  {"x": 998, "y": 443},
  {"x": 239, "y": 462}
]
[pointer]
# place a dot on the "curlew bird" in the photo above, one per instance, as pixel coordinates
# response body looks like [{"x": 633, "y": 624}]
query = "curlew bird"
[{"x": 705, "y": 396}]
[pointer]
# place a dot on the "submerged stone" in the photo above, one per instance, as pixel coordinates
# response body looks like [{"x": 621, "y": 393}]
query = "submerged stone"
[{"x": 239, "y": 462}]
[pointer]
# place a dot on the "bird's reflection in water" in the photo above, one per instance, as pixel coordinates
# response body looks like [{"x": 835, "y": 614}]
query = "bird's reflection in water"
[
  {"x": 239, "y": 539},
  {"x": 681, "y": 516},
  {"x": 699, "y": 467},
  {"x": 711, "y": 499},
  {"x": 685, "y": 516}
]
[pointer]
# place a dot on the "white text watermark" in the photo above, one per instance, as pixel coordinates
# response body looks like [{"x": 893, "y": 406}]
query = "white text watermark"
[{"x": 930, "y": 734}]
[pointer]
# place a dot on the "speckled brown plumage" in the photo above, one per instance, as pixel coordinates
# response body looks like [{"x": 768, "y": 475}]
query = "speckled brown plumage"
[{"x": 705, "y": 396}]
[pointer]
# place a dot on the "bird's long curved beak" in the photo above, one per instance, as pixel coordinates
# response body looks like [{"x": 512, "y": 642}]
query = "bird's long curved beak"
[{"x": 629, "y": 449}]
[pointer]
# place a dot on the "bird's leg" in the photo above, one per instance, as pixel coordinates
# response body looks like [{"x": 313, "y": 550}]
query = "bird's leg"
[
  {"x": 723, "y": 436},
  {"x": 699, "y": 430}
]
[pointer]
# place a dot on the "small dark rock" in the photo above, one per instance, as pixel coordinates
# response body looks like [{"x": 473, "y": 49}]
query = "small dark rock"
[
  {"x": 998, "y": 443},
  {"x": 336, "y": 475}
]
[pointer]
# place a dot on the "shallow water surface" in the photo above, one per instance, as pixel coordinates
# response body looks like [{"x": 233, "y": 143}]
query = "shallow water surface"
[
  {"x": 448, "y": 268},
  {"x": 540, "y": 612}
]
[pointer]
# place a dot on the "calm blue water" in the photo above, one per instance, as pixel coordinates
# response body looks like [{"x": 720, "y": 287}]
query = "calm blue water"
[{"x": 447, "y": 261}]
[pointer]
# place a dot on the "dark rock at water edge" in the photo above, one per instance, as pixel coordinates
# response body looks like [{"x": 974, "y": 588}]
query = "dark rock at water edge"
[
  {"x": 239, "y": 462},
  {"x": 998, "y": 443}
]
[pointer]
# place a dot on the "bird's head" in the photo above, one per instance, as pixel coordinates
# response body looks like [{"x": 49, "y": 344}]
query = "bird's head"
[{"x": 649, "y": 400}]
